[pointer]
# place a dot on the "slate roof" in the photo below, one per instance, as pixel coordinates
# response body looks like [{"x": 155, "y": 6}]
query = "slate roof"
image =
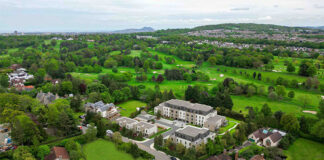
[{"x": 100, "y": 106}]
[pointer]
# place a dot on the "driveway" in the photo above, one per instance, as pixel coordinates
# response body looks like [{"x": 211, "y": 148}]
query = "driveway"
[{"x": 158, "y": 155}]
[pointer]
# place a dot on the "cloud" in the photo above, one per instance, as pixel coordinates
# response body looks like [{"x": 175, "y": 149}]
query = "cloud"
[
  {"x": 318, "y": 6},
  {"x": 299, "y": 9},
  {"x": 92, "y": 15},
  {"x": 240, "y": 9}
]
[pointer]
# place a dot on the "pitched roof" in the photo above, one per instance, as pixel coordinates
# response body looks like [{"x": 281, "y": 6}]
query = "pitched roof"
[
  {"x": 262, "y": 133},
  {"x": 275, "y": 137},
  {"x": 58, "y": 152}
]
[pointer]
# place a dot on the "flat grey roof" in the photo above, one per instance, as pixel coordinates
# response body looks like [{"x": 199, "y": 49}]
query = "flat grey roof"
[
  {"x": 128, "y": 120},
  {"x": 145, "y": 125},
  {"x": 189, "y": 105},
  {"x": 192, "y": 131}
]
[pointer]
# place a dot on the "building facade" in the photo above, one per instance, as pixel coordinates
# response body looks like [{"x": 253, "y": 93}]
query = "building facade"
[{"x": 185, "y": 111}]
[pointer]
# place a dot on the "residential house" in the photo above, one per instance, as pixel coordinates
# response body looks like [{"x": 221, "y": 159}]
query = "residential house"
[
  {"x": 185, "y": 111},
  {"x": 215, "y": 122},
  {"x": 46, "y": 98},
  {"x": 58, "y": 153},
  {"x": 108, "y": 111},
  {"x": 19, "y": 77},
  {"x": 147, "y": 129},
  {"x": 192, "y": 136},
  {"x": 126, "y": 122},
  {"x": 266, "y": 137}
]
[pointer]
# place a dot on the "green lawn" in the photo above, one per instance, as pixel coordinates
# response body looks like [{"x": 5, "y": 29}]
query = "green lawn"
[
  {"x": 240, "y": 102},
  {"x": 104, "y": 150},
  {"x": 130, "y": 107},
  {"x": 305, "y": 149}
]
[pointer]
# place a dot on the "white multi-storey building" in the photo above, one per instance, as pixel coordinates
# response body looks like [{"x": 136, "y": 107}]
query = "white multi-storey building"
[
  {"x": 191, "y": 136},
  {"x": 185, "y": 111}
]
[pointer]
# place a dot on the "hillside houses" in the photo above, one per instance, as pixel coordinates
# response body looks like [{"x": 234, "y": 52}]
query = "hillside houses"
[
  {"x": 19, "y": 77},
  {"x": 108, "y": 111}
]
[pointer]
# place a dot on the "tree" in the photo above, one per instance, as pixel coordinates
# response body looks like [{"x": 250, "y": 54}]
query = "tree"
[
  {"x": 4, "y": 80},
  {"x": 159, "y": 79},
  {"x": 291, "y": 94},
  {"x": 318, "y": 129},
  {"x": 307, "y": 69},
  {"x": 23, "y": 153},
  {"x": 281, "y": 91},
  {"x": 190, "y": 154},
  {"x": 25, "y": 131},
  {"x": 259, "y": 77},
  {"x": 290, "y": 123},
  {"x": 110, "y": 62},
  {"x": 91, "y": 133},
  {"x": 228, "y": 103},
  {"x": 212, "y": 60},
  {"x": 146, "y": 66},
  {"x": 320, "y": 113},
  {"x": 65, "y": 88},
  {"x": 251, "y": 91},
  {"x": 76, "y": 103},
  {"x": 158, "y": 141},
  {"x": 42, "y": 151},
  {"x": 180, "y": 149},
  {"x": 117, "y": 138},
  {"x": 94, "y": 97},
  {"x": 305, "y": 100},
  {"x": 254, "y": 75},
  {"x": 291, "y": 67},
  {"x": 269, "y": 67},
  {"x": 273, "y": 96},
  {"x": 266, "y": 110}
]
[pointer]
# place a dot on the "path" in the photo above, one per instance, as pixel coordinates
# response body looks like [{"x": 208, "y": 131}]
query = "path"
[{"x": 236, "y": 123}]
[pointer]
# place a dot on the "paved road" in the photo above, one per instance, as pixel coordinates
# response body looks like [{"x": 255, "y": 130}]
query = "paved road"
[{"x": 158, "y": 155}]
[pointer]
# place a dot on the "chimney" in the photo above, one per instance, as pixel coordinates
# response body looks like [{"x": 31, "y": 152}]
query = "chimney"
[
  {"x": 224, "y": 151},
  {"x": 262, "y": 155}
]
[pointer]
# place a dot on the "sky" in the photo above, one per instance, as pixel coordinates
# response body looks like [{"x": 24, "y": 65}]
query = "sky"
[{"x": 109, "y": 15}]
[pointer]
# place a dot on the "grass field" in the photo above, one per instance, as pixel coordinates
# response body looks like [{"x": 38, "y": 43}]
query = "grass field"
[
  {"x": 240, "y": 102},
  {"x": 104, "y": 150},
  {"x": 129, "y": 107},
  {"x": 305, "y": 149}
]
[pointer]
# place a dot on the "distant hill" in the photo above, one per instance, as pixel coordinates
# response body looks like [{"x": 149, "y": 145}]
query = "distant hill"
[
  {"x": 317, "y": 27},
  {"x": 144, "y": 29},
  {"x": 247, "y": 26},
  {"x": 269, "y": 28}
]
